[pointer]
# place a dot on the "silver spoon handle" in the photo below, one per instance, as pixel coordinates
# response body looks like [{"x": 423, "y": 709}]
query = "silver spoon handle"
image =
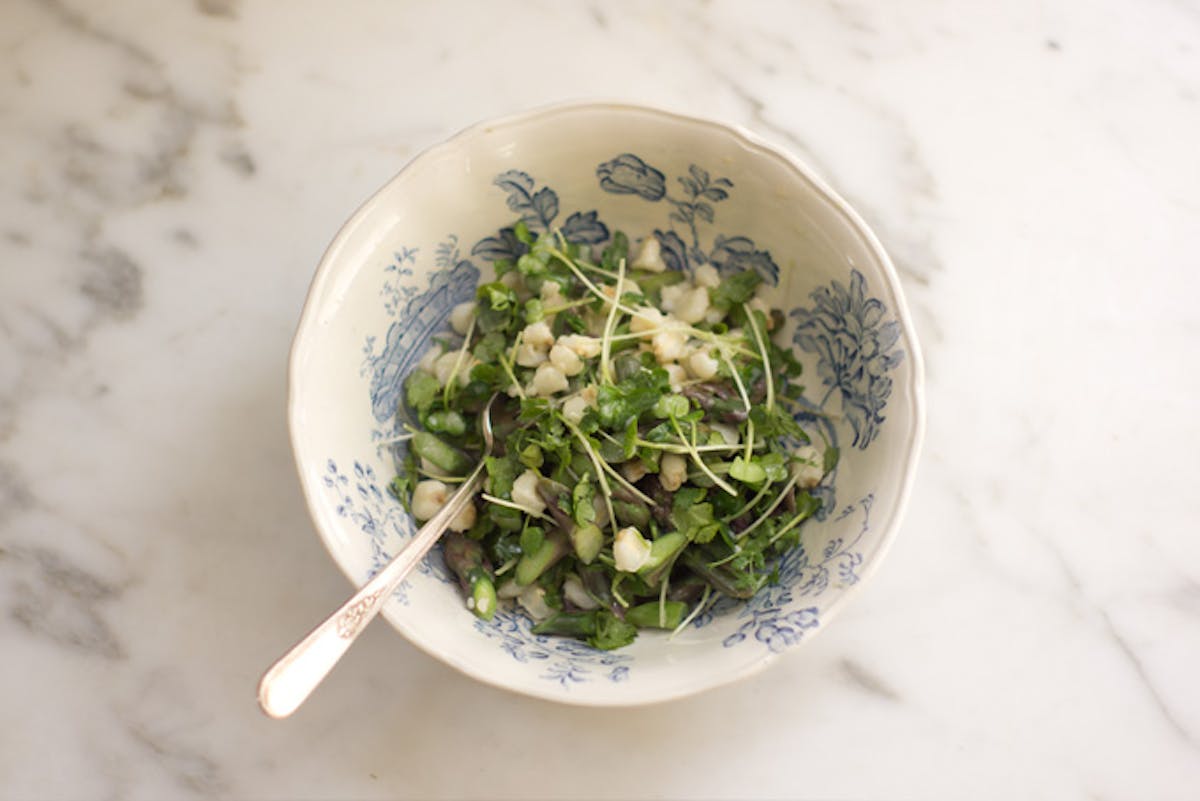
[{"x": 286, "y": 685}]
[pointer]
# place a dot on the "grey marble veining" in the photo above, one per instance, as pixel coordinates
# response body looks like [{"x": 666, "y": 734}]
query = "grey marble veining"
[{"x": 171, "y": 173}]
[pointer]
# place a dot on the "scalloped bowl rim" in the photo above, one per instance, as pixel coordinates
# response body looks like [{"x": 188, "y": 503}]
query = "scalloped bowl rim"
[{"x": 326, "y": 269}]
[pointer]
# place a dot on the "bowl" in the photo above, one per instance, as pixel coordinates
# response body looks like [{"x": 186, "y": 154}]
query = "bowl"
[{"x": 710, "y": 193}]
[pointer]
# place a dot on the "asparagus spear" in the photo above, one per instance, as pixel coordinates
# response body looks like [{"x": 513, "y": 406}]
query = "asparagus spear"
[{"x": 465, "y": 557}]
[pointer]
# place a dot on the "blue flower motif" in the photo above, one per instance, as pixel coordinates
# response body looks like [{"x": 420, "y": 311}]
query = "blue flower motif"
[
  {"x": 855, "y": 350},
  {"x": 783, "y": 631},
  {"x": 737, "y": 253},
  {"x": 629, "y": 175}
]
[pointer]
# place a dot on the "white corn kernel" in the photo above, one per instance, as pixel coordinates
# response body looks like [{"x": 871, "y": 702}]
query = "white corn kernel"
[
  {"x": 707, "y": 276},
  {"x": 671, "y": 295},
  {"x": 547, "y": 380},
  {"x": 464, "y": 519},
  {"x": 646, "y": 319},
  {"x": 649, "y": 256},
  {"x": 573, "y": 409},
  {"x": 672, "y": 470},
  {"x": 630, "y": 550},
  {"x": 584, "y": 347},
  {"x": 702, "y": 365},
  {"x": 443, "y": 368},
  {"x": 574, "y": 592},
  {"x": 525, "y": 493},
  {"x": 692, "y": 307},
  {"x": 538, "y": 334},
  {"x": 633, "y": 470},
  {"x": 551, "y": 294},
  {"x": 668, "y": 345},
  {"x": 428, "y": 497},
  {"x": 531, "y": 355},
  {"x": 810, "y": 470},
  {"x": 460, "y": 317},
  {"x": 430, "y": 359},
  {"x": 676, "y": 375},
  {"x": 534, "y": 601},
  {"x": 566, "y": 360},
  {"x": 508, "y": 590}
]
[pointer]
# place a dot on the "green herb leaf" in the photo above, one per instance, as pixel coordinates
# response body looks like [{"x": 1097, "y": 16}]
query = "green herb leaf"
[
  {"x": 583, "y": 510},
  {"x": 747, "y": 472},
  {"x": 421, "y": 389},
  {"x": 611, "y": 632},
  {"x": 735, "y": 289},
  {"x": 490, "y": 346},
  {"x": 671, "y": 406},
  {"x": 532, "y": 538},
  {"x": 693, "y": 520}
]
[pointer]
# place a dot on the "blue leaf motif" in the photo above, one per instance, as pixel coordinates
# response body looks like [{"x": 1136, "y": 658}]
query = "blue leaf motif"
[
  {"x": 674, "y": 251},
  {"x": 584, "y": 229},
  {"x": 737, "y": 253},
  {"x": 629, "y": 175},
  {"x": 545, "y": 206},
  {"x": 537, "y": 209},
  {"x": 504, "y": 245}
]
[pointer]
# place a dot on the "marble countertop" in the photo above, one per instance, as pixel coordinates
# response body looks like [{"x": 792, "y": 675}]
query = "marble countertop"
[{"x": 170, "y": 173}]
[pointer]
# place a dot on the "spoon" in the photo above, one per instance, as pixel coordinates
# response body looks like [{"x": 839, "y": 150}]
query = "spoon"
[{"x": 286, "y": 685}]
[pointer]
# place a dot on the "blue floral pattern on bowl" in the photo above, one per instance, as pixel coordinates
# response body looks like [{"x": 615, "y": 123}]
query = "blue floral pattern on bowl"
[{"x": 849, "y": 333}]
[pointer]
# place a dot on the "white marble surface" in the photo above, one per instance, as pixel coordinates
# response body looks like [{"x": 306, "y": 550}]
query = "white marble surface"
[{"x": 169, "y": 176}]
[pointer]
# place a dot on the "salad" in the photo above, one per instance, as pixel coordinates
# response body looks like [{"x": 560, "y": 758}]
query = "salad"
[{"x": 647, "y": 461}]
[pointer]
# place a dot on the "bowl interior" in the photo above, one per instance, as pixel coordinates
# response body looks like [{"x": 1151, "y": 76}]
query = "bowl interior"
[{"x": 709, "y": 193}]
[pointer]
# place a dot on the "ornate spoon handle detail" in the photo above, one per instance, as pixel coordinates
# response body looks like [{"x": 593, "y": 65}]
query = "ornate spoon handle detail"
[{"x": 286, "y": 685}]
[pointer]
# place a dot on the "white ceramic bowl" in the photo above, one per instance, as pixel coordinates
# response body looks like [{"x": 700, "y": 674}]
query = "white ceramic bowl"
[{"x": 710, "y": 192}]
